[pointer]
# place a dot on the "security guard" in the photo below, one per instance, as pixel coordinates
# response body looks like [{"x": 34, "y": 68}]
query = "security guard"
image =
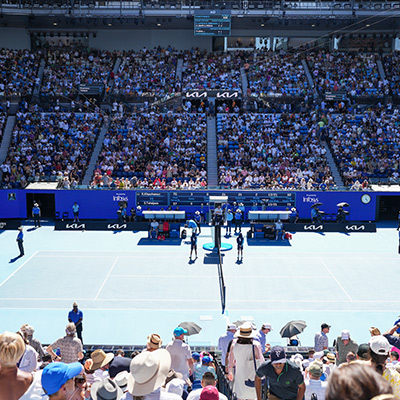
[
  {"x": 36, "y": 214},
  {"x": 20, "y": 241}
]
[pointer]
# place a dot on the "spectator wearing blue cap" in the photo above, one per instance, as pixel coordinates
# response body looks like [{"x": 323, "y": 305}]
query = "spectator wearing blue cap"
[
  {"x": 58, "y": 379},
  {"x": 205, "y": 366},
  {"x": 181, "y": 353}
]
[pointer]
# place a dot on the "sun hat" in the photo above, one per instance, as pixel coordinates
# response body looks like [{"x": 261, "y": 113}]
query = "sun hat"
[
  {"x": 148, "y": 371},
  {"x": 106, "y": 389},
  {"x": 374, "y": 331},
  {"x": 172, "y": 375},
  {"x": 55, "y": 375},
  {"x": 180, "y": 331},
  {"x": 154, "y": 341},
  {"x": 278, "y": 355},
  {"x": 316, "y": 369},
  {"x": 209, "y": 393},
  {"x": 246, "y": 331},
  {"x": 100, "y": 359},
  {"x": 330, "y": 357},
  {"x": 379, "y": 345},
  {"x": 28, "y": 329},
  {"x": 121, "y": 379},
  {"x": 175, "y": 386}
]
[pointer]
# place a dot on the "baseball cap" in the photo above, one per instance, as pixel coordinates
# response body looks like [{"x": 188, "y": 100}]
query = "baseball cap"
[
  {"x": 345, "y": 334},
  {"x": 267, "y": 325},
  {"x": 278, "y": 355},
  {"x": 196, "y": 356},
  {"x": 363, "y": 350},
  {"x": 379, "y": 345},
  {"x": 316, "y": 369},
  {"x": 232, "y": 327},
  {"x": 55, "y": 375},
  {"x": 180, "y": 331},
  {"x": 324, "y": 325},
  {"x": 209, "y": 393},
  {"x": 206, "y": 360}
]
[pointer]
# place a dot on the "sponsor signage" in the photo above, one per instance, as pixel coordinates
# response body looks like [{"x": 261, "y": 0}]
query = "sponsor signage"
[
  {"x": 331, "y": 227},
  {"x": 219, "y": 94},
  {"x": 95, "y": 89},
  {"x": 9, "y": 224},
  {"x": 100, "y": 226}
]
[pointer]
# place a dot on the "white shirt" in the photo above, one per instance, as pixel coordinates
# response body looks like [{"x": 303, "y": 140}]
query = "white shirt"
[
  {"x": 158, "y": 394},
  {"x": 317, "y": 387},
  {"x": 195, "y": 395},
  {"x": 35, "y": 391},
  {"x": 180, "y": 354},
  {"x": 29, "y": 359}
]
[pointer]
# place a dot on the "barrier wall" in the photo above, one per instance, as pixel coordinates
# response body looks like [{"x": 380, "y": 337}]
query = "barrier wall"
[{"x": 103, "y": 204}]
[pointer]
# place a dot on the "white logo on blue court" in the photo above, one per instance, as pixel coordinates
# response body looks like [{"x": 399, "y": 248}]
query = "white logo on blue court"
[{"x": 120, "y": 197}]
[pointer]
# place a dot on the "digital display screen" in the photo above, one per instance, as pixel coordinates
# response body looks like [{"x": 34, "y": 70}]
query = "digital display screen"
[{"x": 212, "y": 25}]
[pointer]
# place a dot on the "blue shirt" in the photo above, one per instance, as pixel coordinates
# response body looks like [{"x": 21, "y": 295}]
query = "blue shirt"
[
  {"x": 192, "y": 224},
  {"x": 75, "y": 208},
  {"x": 238, "y": 216},
  {"x": 36, "y": 210},
  {"x": 261, "y": 337},
  {"x": 75, "y": 316},
  {"x": 229, "y": 216},
  {"x": 20, "y": 236},
  {"x": 223, "y": 343}
]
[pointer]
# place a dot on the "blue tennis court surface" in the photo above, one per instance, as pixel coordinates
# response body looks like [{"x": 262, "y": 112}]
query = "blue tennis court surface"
[{"x": 128, "y": 291}]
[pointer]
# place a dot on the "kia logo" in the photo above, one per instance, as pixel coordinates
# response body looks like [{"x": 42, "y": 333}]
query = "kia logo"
[
  {"x": 313, "y": 227},
  {"x": 355, "y": 227},
  {"x": 116, "y": 227},
  {"x": 75, "y": 226}
]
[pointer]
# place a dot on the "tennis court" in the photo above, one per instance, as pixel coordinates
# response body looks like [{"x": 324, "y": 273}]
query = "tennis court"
[{"x": 128, "y": 288}]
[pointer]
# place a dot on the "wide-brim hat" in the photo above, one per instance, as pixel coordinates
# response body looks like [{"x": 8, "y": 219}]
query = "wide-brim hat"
[
  {"x": 154, "y": 341},
  {"x": 121, "y": 379},
  {"x": 105, "y": 389},
  {"x": 246, "y": 331},
  {"x": 100, "y": 359},
  {"x": 148, "y": 371}
]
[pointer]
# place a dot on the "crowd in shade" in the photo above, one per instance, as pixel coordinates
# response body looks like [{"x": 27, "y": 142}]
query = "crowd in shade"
[
  {"x": 390, "y": 63},
  {"x": 366, "y": 146},
  {"x": 272, "y": 152},
  {"x": 65, "y": 70},
  {"x": 50, "y": 147},
  {"x": 245, "y": 361},
  {"x": 219, "y": 71},
  {"x": 354, "y": 73},
  {"x": 273, "y": 73},
  {"x": 152, "y": 150},
  {"x": 19, "y": 70},
  {"x": 3, "y": 121},
  {"x": 150, "y": 73}
]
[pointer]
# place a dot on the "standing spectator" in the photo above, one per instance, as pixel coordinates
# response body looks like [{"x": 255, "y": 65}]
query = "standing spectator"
[
  {"x": 181, "y": 354},
  {"x": 28, "y": 330},
  {"x": 208, "y": 380},
  {"x": 75, "y": 210},
  {"x": 107, "y": 365},
  {"x": 20, "y": 241},
  {"x": 154, "y": 342},
  {"x": 193, "y": 245},
  {"x": 223, "y": 343},
  {"x": 262, "y": 336},
  {"x": 244, "y": 354},
  {"x": 71, "y": 349},
  {"x": 285, "y": 378},
  {"x": 76, "y": 316},
  {"x": 240, "y": 241},
  {"x": 314, "y": 385},
  {"x": 36, "y": 214},
  {"x": 320, "y": 339},
  {"x": 229, "y": 218},
  {"x": 14, "y": 383},
  {"x": 343, "y": 346},
  {"x": 238, "y": 220},
  {"x": 58, "y": 379}
]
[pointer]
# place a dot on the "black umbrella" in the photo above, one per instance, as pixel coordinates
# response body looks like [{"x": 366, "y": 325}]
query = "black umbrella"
[
  {"x": 191, "y": 327},
  {"x": 239, "y": 322},
  {"x": 316, "y": 205},
  {"x": 343, "y": 204},
  {"x": 293, "y": 328}
]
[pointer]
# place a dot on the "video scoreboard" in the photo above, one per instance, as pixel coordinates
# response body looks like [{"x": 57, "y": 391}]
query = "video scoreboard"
[{"x": 212, "y": 24}]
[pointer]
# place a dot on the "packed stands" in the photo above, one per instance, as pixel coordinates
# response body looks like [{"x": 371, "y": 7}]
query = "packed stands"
[
  {"x": 50, "y": 147},
  {"x": 150, "y": 150},
  {"x": 271, "y": 152},
  {"x": 19, "y": 70},
  {"x": 391, "y": 64}
]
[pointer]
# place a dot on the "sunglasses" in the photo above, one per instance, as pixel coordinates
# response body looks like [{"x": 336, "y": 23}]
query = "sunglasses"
[{"x": 80, "y": 380}]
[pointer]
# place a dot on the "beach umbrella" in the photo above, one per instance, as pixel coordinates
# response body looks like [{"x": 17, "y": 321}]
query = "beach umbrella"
[
  {"x": 191, "y": 327},
  {"x": 293, "y": 328}
]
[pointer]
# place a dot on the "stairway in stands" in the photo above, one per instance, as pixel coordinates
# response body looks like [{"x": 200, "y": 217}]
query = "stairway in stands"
[
  {"x": 179, "y": 68},
  {"x": 5, "y": 143},
  {"x": 244, "y": 82},
  {"x": 93, "y": 160},
  {"x": 308, "y": 73},
  {"x": 36, "y": 91},
  {"x": 381, "y": 70},
  {"x": 331, "y": 162},
  {"x": 212, "y": 163}
]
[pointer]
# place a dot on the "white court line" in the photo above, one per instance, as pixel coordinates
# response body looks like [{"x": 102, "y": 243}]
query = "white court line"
[
  {"x": 5, "y": 280},
  {"x": 334, "y": 277},
  {"x": 226, "y": 276},
  {"x": 105, "y": 280}
]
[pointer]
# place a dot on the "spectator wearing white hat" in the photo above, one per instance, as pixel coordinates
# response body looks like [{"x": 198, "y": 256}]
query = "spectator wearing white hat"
[
  {"x": 181, "y": 354},
  {"x": 261, "y": 336},
  {"x": 71, "y": 349},
  {"x": 223, "y": 343},
  {"x": 344, "y": 344},
  {"x": 35, "y": 343},
  {"x": 106, "y": 389}
]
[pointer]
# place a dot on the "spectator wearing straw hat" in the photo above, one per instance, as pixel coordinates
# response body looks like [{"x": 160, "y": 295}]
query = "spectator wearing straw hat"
[
  {"x": 344, "y": 344},
  {"x": 181, "y": 354},
  {"x": 285, "y": 378},
  {"x": 154, "y": 342},
  {"x": 223, "y": 343},
  {"x": 148, "y": 372},
  {"x": 107, "y": 364},
  {"x": 242, "y": 350},
  {"x": 262, "y": 336},
  {"x": 314, "y": 385},
  {"x": 321, "y": 341},
  {"x": 76, "y": 316},
  {"x": 71, "y": 349}
]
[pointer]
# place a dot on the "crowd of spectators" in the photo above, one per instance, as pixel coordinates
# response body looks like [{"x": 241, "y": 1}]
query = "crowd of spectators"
[
  {"x": 212, "y": 71},
  {"x": 65, "y": 70},
  {"x": 147, "y": 73},
  {"x": 50, "y": 147},
  {"x": 278, "y": 73},
  {"x": 272, "y": 152},
  {"x": 391, "y": 63},
  {"x": 18, "y": 71},
  {"x": 355, "y": 74},
  {"x": 64, "y": 371},
  {"x": 366, "y": 147},
  {"x": 151, "y": 150}
]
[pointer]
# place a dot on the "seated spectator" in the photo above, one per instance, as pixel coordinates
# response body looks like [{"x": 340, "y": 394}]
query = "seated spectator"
[
  {"x": 28, "y": 331},
  {"x": 314, "y": 385},
  {"x": 29, "y": 360}
]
